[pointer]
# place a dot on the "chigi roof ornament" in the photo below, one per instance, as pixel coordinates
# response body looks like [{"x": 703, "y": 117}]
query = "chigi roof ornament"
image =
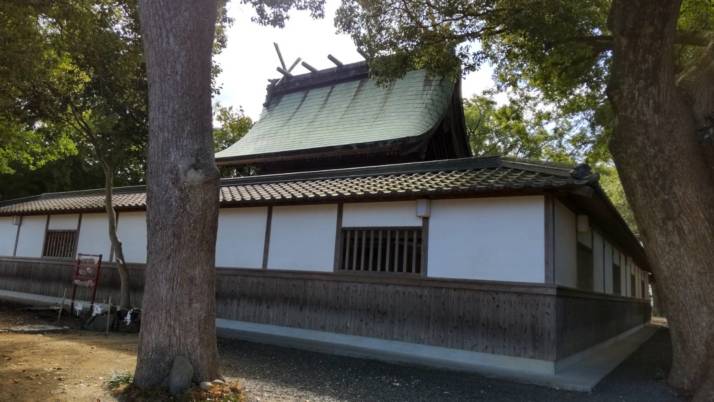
[{"x": 286, "y": 72}]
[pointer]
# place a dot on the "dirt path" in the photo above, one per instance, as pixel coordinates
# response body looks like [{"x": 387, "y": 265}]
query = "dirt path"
[
  {"x": 61, "y": 367},
  {"x": 68, "y": 366}
]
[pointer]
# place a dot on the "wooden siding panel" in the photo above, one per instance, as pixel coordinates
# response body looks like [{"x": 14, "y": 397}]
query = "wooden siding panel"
[
  {"x": 501, "y": 318},
  {"x": 586, "y": 321}
]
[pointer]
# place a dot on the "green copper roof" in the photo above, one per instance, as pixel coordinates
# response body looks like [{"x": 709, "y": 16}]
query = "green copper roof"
[{"x": 344, "y": 113}]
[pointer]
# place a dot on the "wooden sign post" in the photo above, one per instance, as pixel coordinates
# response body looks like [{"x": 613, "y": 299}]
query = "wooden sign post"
[{"x": 86, "y": 275}]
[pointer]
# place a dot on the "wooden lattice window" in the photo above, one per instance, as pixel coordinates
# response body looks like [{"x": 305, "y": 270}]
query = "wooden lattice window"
[
  {"x": 382, "y": 250},
  {"x": 60, "y": 243}
]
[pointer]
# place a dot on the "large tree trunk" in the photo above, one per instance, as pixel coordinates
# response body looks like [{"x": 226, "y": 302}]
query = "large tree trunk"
[
  {"x": 178, "y": 316},
  {"x": 666, "y": 175},
  {"x": 124, "y": 294}
]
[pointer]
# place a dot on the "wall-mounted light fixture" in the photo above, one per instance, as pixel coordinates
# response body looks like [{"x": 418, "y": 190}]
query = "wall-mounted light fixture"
[{"x": 423, "y": 208}]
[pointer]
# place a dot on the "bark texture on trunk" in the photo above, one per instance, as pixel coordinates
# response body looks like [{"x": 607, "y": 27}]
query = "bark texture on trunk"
[
  {"x": 178, "y": 317},
  {"x": 125, "y": 295},
  {"x": 666, "y": 174}
]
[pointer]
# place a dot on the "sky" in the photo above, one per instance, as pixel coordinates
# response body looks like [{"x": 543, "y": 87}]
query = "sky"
[{"x": 249, "y": 59}]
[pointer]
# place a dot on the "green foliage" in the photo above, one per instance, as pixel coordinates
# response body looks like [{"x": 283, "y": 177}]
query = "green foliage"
[
  {"x": 120, "y": 378},
  {"x": 511, "y": 130},
  {"x": 87, "y": 90},
  {"x": 275, "y": 12},
  {"x": 610, "y": 182},
  {"x": 515, "y": 129},
  {"x": 74, "y": 83},
  {"x": 233, "y": 125}
]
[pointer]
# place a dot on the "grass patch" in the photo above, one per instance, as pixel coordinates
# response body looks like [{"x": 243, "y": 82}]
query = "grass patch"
[
  {"x": 118, "y": 380},
  {"x": 122, "y": 387}
]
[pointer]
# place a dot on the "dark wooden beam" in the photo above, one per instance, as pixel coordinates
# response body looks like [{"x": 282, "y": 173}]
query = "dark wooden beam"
[{"x": 266, "y": 243}]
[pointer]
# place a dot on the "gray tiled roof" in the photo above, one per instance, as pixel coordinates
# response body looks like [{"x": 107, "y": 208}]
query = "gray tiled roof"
[
  {"x": 344, "y": 113},
  {"x": 420, "y": 179}
]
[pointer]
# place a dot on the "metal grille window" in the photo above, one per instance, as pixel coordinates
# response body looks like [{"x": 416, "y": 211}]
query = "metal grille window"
[
  {"x": 60, "y": 243},
  {"x": 389, "y": 250}
]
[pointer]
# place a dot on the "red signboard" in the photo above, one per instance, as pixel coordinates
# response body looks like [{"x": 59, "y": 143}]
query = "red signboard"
[{"x": 86, "y": 274}]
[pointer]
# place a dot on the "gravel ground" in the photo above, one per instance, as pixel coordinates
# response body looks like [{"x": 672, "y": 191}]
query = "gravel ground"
[{"x": 271, "y": 373}]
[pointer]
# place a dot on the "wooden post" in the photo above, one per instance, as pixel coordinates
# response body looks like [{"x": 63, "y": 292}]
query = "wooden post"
[
  {"x": 109, "y": 314},
  {"x": 61, "y": 306}
]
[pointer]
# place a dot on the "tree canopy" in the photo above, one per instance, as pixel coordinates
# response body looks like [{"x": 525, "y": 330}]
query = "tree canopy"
[
  {"x": 80, "y": 99},
  {"x": 232, "y": 126}
]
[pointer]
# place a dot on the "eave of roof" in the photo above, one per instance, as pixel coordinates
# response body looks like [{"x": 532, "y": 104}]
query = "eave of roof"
[
  {"x": 466, "y": 177},
  {"x": 469, "y": 175}
]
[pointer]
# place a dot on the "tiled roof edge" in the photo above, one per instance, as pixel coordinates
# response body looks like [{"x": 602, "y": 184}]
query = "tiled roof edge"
[
  {"x": 557, "y": 169},
  {"x": 75, "y": 193},
  {"x": 366, "y": 171}
]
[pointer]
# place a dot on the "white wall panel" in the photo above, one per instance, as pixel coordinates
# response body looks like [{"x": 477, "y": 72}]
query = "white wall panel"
[
  {"x": 131, "y": 229},
  {"x": 63, "y": 222},
  {"x": 376, "y": 214},
  {"x": 500, "y": 239},
  {"x": 94, "y": 235},
  {"x": 8, "y": 233},
  {"x": 565, "y": 246},
  {"x": 303, "y": 238},
  {"x": 241, "y": 237},
  {"x": 32, "y": 236}
]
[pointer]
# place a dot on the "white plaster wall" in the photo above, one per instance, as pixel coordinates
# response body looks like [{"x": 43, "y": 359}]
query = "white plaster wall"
[
  {"x": 377, "y": 214},
  {"x": 131, "y": 229},
  {"x": 303, "y": 238},
  {"x": 8, "y": 233},
  {"x": 94, "y": 235},
  {"x": 565, "y": 246},
  {"x": 598, "y": 263},
  {"x": 501, "y": 239},
  {"x": 32, "y": 236},
  {"x": 241, "y": 237},
  {"x": 63, "y": 222}
]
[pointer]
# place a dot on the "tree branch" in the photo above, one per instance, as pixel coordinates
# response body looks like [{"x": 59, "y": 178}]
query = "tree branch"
[{"x": 603, "y": 43}]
